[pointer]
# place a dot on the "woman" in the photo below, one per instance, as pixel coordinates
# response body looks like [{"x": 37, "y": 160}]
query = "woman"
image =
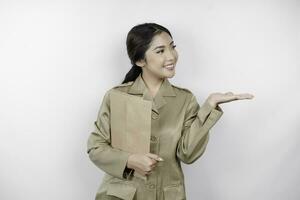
[{"x": 179, "y": 126}]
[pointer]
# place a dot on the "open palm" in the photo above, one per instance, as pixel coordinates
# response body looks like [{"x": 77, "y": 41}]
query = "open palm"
[{"x": 218, "y": 98}]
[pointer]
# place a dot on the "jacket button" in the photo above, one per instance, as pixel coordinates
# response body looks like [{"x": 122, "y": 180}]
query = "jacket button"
[
  {"x": 151, "y": 186},
  {"x": 154, "y": 115},
  {"x": 153, "y": 138}
]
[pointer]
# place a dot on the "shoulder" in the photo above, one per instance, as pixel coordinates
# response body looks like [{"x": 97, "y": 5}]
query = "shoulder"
[
  {"x": 124, "y": 84},
  {"x": 182, "y": 90},
  {"x": 185, "y": 94},
  {"x": 124, "y": 87}
]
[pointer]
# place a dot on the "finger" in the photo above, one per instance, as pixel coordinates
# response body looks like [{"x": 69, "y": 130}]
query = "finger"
[
  {"x": 148, "y": 172},
  {"x": 153, "y": 164},
  {"x": 154, "y": 156},
  {"x": 148, "y": 168},
  {"x": 150, "y": 162},
  {"x": 245, "y": 96},
  {"x": 142, "y": 172},
  {"x": 229, "y": 93}
]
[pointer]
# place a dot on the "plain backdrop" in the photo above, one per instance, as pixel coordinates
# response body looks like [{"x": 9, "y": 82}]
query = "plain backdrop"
[{"x": 58, "y": 58}]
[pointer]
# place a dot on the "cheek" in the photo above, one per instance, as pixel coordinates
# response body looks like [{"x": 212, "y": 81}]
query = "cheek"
[
  {"x": 154, "y": 58},
  {"x": 158, "y": 60},
  {"x": 176, "y": 54}
]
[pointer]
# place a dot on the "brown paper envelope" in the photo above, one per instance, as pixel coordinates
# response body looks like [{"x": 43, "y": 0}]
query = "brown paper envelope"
[{"x": 130, "y": 123}]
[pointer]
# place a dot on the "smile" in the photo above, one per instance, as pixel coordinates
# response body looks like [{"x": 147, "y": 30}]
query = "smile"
[{"x": 170, "y": 66}]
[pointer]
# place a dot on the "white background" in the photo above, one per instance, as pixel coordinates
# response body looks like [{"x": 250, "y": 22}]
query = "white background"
[{"x": 59, "y": 57}]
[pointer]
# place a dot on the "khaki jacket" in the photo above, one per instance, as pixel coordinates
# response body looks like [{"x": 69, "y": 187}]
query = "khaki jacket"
[{"x": 179, "y": 133}]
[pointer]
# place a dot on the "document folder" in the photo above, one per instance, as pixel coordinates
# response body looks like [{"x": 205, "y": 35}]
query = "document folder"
[{"x": 130, "y": 123}]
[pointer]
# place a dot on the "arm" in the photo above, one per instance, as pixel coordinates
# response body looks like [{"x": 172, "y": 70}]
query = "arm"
[
  {"x": 102, "y": 154},
  {"x": 195, "y": 133}
]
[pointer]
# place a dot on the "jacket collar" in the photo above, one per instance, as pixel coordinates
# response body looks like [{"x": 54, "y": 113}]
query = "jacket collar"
[{"x": 166, "y": 89}]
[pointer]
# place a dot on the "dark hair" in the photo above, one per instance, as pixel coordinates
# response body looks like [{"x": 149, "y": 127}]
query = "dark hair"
[{"x": 137, "y": 42}]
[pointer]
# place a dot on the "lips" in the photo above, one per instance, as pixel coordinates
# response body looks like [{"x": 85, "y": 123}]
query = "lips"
[{"x": 170, "y": 66}]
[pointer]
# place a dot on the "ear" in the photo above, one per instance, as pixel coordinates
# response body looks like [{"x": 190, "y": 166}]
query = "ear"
[{"x": 140, "y": 63}]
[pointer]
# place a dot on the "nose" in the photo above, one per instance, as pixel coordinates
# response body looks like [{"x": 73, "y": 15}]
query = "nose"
[{"x": 170, "y": 56}]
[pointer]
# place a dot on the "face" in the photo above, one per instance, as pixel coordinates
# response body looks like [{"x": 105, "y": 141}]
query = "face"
[{"x": 160, "y": 58}]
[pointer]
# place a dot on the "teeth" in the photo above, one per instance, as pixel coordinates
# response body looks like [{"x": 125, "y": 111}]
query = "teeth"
[{"x": 169, "y": 66}]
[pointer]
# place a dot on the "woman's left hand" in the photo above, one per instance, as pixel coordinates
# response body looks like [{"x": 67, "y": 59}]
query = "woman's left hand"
[{"x": 217, "y": 98}]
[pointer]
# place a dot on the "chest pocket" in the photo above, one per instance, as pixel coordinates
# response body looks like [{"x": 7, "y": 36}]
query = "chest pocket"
[
  {"x": 121, "y": 190},
  {"x": 174, "y": 192}
]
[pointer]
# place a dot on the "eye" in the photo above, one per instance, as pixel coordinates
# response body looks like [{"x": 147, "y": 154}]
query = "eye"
[{"x": 161, "y": 51}]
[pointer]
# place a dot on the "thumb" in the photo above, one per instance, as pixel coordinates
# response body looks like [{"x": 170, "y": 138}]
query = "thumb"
[{"x": 154, "y": 156}]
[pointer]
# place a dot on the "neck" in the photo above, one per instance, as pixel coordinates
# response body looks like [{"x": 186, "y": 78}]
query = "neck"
[{"x": 152, "y": 83}]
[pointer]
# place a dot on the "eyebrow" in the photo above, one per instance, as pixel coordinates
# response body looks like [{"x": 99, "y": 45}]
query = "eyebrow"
[{"x": 162, "y": 46}]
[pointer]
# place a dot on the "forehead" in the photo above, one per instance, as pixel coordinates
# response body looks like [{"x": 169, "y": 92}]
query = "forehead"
[{"x": 161, "y": 39}]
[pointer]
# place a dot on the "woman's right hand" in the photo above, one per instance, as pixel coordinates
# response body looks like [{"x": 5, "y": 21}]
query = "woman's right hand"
[{"x": 143, "y": 163}]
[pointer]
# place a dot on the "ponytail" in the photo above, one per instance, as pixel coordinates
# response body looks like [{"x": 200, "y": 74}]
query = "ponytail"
[{"x": 133, "y": 73}]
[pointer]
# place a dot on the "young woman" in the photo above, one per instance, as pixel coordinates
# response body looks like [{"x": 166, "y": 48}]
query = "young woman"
[{"x": 179, "y": 126}]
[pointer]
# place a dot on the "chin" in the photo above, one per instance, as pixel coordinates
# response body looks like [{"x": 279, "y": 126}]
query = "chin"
[{"x": 170, "y": 76}]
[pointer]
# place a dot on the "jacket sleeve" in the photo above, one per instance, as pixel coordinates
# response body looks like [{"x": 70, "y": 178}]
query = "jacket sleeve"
[
  {"x": 195, "y": 132},
  {"x": 101, "y": 153}
]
